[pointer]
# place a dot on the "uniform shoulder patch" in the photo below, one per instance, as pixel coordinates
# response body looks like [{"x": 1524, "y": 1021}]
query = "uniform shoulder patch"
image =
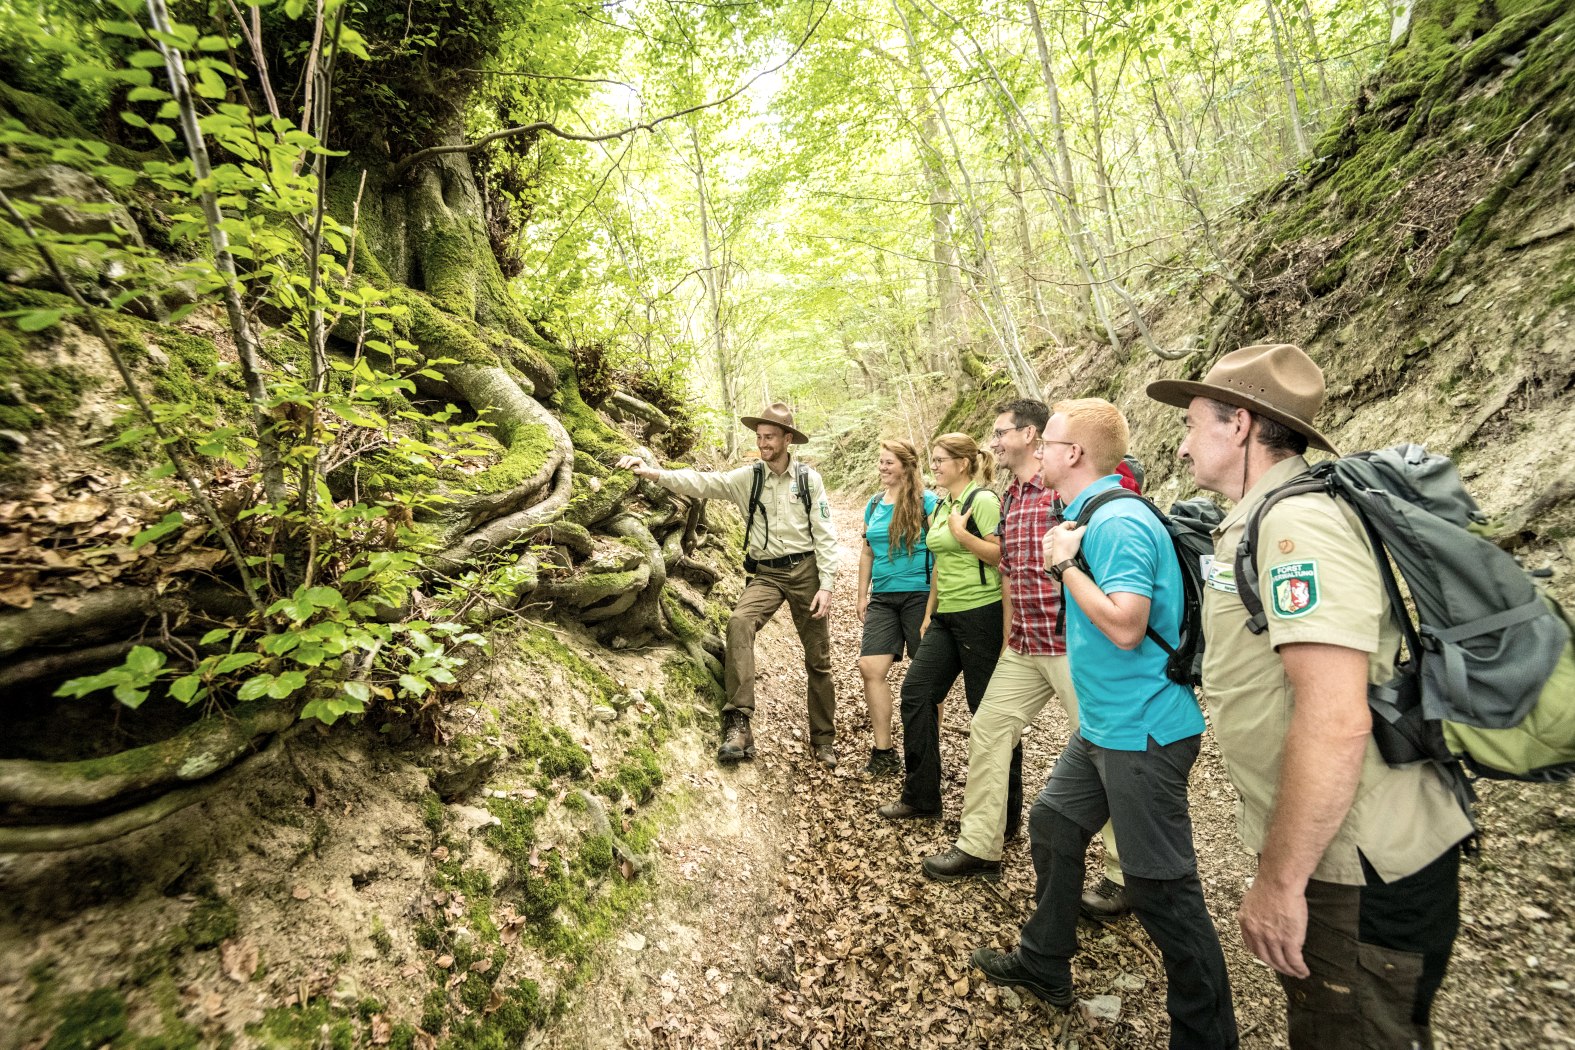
[
  {"x": 1294, "y": 586},
  {"x": 825, "y": 509}
]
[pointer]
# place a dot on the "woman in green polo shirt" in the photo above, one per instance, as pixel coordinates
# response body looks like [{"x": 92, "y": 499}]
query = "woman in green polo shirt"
[{"x": 962, "y": 624}]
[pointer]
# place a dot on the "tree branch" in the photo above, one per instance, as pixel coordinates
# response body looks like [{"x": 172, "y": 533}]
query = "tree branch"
[{"x": 401, "y": 169}]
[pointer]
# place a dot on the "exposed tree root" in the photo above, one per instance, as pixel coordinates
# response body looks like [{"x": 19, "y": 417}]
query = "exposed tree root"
[
  {"x": 62, "y": 663},
  {"x": 625, "y": 407},
  {"x": 195, "y": 753},
  {"x": 509, "y": 530},
  {"x": 522, "y": 424},
  {"x": 93, "y": 616},
  {"x": 1517, "y": 528},
  {"x": 46, "y": 838}
]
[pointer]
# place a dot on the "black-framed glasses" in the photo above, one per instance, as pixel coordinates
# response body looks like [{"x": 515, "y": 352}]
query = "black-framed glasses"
[{"x": 1001, "y": 433}]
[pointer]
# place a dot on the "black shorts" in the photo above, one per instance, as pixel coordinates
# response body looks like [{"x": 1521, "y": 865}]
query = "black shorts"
[{"x": 892, "y": 622}]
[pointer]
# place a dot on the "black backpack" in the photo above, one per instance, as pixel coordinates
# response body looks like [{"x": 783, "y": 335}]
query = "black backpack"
[{"x": 1190, "y": 525}]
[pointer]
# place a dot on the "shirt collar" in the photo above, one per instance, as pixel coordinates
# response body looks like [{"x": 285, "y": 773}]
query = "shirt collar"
[
  {"x": 963, "y": 494},
  {"x": 1109, "y": 481},
  {"x": 1018, "y": 486},
  {"x": 1273, "y": 478}
]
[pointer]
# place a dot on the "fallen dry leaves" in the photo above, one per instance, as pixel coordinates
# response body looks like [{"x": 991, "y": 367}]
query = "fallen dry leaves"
[{"x": 65, "y": 537}]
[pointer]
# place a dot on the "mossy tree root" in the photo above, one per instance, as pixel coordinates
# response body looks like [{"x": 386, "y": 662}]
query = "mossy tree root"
[
  {"x": 44, "y": 838},
  {"x": 646, "y": 612},
  {"x": 196, "y": 753},
  {"x": 537, "y": 443},
  {"x": 512, "y": 529}
]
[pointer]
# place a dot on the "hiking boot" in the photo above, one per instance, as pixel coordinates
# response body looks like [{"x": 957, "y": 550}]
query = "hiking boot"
[
  {"x": 1106, "y": 902},
  {"x": 884, "y": 763},
  {"x": 955, "y": 865},
  {"x": 903, "y": 811},
  {"x": 1008, "y": 969},
  {"x": 738, "y": 743},
  {"x": 826, "y": 755}
]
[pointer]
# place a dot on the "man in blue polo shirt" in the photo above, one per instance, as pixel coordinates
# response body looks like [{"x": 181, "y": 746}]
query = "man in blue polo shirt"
[{"x": 1129, "y": 759}]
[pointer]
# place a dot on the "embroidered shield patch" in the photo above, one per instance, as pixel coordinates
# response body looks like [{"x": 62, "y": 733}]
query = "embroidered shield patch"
[{"x": 1295, "y": 589}]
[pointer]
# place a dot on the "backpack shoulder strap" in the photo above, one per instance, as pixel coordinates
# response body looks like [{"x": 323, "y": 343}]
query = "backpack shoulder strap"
[
  {"x": 1246, "y": 561},
  {"x": 1086, "y": 515},
  {"x": 801, "y": 475},
  {"x": 869, "y": 510},
  {"x": 1085, "y": 518},
  {"x": 757, "y": 482},
  {"x": 1006, "y": 507}
]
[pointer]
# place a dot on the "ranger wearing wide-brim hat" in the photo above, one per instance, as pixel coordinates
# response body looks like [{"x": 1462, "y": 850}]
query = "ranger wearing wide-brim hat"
[
  {"x": 1356, "y": 897},
  {"x": 790, "y": 553}
]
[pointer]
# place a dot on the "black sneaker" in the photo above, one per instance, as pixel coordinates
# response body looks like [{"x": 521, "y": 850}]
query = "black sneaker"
[
  {"x": 956, "y": 864},
  {"x": 1007, "y": 969},
  {"x": 1106, "y": 902},
  {"x": 884, "y": 763}
]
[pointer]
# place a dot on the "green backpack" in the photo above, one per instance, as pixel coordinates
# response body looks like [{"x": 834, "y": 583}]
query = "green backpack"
[{"x": 1487, "y": 684}]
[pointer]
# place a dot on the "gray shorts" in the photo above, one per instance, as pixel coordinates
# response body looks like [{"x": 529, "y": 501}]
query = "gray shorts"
[
  {"x": 891, "y": 623},
  {"x": 1142, "y": 793}
]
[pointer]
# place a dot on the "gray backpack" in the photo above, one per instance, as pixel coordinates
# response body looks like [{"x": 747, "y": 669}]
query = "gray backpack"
[{"x": 1488, "y": 675}]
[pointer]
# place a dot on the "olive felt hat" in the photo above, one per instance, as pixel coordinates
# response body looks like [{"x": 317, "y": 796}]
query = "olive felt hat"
[
  {"x": 778, "y": 415},
  {"x": 1277, "y": 381}
]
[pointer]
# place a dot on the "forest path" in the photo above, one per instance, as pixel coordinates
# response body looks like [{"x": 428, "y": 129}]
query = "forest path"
[{"x": 787, "y": 913}]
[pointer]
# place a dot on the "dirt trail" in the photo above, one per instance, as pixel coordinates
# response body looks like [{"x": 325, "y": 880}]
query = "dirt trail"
[{"x": 788, "y": 914}]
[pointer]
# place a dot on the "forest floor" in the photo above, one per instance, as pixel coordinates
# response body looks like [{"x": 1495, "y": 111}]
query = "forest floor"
[{"x": 787, "y": 913}]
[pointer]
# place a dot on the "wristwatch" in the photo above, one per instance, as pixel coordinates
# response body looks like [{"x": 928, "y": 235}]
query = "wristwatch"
[{"x": 1060, "y": 567}]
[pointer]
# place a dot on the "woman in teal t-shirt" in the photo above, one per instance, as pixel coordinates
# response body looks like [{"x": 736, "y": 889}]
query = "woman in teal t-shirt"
[
  {"x": 894, "y": 586},
  {"x": 963, "y": 625}
]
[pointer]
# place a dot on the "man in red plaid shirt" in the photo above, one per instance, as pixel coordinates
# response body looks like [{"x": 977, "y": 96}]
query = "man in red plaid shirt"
[{"x": 1033, "y": 665}]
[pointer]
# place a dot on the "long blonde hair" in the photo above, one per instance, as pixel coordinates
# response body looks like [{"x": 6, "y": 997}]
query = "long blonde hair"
[
  {"x": 907, "y": 505},
  {"x": 981, "y": 461}
]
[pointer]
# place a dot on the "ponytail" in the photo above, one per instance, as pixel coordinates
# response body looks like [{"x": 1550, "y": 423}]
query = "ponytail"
[{"x": 984, "y": 468}]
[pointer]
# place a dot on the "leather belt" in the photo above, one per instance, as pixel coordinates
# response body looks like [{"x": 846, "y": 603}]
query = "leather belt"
[{"x": 787, "y": 561}]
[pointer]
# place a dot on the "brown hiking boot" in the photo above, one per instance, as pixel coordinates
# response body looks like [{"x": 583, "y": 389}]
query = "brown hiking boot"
[
  {"x": 1106, "y": 902},
  {"x": 738, "y": 743},
  {"x": 957, "y": 864}
]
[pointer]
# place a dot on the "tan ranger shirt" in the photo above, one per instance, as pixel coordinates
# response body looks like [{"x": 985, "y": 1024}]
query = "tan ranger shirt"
[
  {"x": 1319, "y": 582},
  {"x": 781, "y": 526}
]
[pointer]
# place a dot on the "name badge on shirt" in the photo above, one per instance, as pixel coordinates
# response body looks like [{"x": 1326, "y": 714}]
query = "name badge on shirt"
[{"x": 1220, "y": 576}]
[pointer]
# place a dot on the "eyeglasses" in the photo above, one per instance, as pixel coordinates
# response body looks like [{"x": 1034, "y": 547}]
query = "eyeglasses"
[
  {"x": 1000, "y": 433},
  {"x": 944, "y": 459},
  {"x": 1053, "y": 441}
]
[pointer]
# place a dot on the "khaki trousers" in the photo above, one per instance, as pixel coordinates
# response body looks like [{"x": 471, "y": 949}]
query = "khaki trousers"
[
  {"x": 1018, "y": 690},
  {"x": 763, "y": 596}
]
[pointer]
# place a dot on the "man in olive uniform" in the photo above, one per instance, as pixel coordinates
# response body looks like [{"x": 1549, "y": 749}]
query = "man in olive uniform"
[
  {"x": 790, "y": 554},
  {"x": 1356, "y": 899}
]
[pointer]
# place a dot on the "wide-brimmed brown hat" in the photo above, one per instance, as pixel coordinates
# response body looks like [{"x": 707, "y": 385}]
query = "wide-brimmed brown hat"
[
  {"x": 1277, "y": 381},
  {"x": 777, "y": 414}
]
